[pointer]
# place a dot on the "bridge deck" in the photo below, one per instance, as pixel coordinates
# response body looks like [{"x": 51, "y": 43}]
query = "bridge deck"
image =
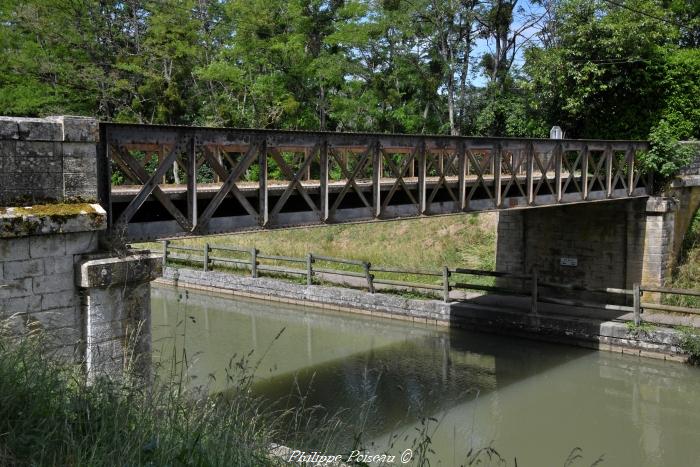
[{"x": 194, "y": 181}]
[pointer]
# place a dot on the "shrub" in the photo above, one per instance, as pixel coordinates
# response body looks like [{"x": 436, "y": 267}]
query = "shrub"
[
  {"x": 666, "y": 156},
  {"x": 690, "y": 344}
]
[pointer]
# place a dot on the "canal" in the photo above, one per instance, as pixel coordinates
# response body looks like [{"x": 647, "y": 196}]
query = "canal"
[{"x": 529, "y": 400}]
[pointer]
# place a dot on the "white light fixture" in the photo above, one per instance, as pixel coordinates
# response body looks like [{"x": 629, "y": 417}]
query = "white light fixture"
[{"x": 556, "y": 133}]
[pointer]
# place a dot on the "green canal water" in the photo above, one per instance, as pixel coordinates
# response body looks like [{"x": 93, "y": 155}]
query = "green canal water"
[{"x": 532, "y": 401}]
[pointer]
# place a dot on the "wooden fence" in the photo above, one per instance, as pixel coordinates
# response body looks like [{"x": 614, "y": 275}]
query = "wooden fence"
[{"x": 446, "y": 280}]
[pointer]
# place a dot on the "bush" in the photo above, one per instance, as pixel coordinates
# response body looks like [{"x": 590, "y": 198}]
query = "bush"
[
  {"x": 690, "y": 344},
  {"x": 666, "y": 156}
]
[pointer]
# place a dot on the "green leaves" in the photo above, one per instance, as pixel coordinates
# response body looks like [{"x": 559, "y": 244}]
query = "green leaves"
[
  {"x": 666, "y": 156},
  {"x": 596, "y": 69}
]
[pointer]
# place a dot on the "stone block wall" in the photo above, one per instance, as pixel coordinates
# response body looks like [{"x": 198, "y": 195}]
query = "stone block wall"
[
  {"x": 613, "y": 243},
  {"x": 92, "y": 305},
  {"x": 37, "y": 277},
  {"x": 659, "y": 239},
  {"x": 593, "y": 235},
  {"x": 48, "y": 159}
]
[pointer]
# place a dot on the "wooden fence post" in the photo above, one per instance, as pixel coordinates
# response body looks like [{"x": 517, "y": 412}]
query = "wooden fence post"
[
  {"x": 445, "y": 284},
  {"x": 636, "y": 297},
  {"x": 206, "y": 257},
  {"x": 309, "y": 270},
  {"x": 254, "y": 262},
  {"x": 533, "y": 302},
  {"x": 165, "y": 251},
  {"x": 370, "y": 284}
]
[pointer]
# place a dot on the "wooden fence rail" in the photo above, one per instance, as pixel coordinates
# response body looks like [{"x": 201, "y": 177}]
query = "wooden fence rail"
[{"x": 251, "y": 260}]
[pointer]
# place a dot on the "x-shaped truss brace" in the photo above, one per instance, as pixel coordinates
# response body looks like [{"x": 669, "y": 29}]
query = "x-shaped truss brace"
[
  {"x": 442, "y": 174},
  {"x": 295, "y": 180},
  {"x": 514, "y": 167},
  {"x": 150, "y": 184},
  {"x": 571, "y": 169},
  {"x": 399, "y": 173},
  {"x": 350, "y": 177},
  {"x": 479, "y": 168},
  {"x": 229, "y": 184}
]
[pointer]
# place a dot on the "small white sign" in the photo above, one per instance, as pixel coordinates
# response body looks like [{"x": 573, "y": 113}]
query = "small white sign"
[{"x": 571, "y": 262}]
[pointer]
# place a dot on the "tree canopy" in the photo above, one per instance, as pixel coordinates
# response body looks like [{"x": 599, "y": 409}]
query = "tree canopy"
[{"x": 597, "y": 68}]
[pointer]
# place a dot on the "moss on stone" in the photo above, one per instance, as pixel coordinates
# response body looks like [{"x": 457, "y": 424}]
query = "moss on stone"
[
  {"x": 55, "y": 211},
  {"x": 29, "y": 220}
]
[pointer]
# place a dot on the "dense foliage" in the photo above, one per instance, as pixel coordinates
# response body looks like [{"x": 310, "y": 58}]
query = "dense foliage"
[{"x": 503, "y": 67}]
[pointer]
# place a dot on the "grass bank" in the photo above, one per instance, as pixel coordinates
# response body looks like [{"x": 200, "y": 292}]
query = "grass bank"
[
  {"x": 428, "y": 243},
  {"x": 50, "y": 416},
  {"x": 686, "y": 274}
]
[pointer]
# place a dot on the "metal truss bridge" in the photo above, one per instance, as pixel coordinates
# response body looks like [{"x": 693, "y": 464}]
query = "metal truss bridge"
[{"x": 170, "y": 181}]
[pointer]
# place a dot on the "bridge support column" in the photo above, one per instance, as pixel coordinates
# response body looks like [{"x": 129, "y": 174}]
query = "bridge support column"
[
  {"x": 39, "y": 246},
  {"x": 659, "y": 223},
  {"x": 116, "y": 309}
]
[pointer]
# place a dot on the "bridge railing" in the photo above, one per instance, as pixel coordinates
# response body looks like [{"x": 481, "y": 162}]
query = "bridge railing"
[
  {"x": 320, "y": 269},
  {"x": 158, "y": 181}
]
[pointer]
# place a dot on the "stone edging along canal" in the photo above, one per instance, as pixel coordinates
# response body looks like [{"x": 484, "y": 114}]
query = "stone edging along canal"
[{"x": 495, "y": 314}]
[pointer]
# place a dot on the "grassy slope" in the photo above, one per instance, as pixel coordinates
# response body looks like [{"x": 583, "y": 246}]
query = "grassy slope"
[
  {"x": 426, "y": 243},
  {"x": 687, "y": 272}
]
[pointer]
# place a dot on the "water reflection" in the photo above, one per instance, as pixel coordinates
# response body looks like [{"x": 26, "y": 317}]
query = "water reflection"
[{"x": 531, "y": 400}]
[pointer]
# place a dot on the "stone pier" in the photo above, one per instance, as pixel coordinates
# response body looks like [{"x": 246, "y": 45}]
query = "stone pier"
[
  {"x": 56, "y": 277},
  {"x": 595, "y": 245}
]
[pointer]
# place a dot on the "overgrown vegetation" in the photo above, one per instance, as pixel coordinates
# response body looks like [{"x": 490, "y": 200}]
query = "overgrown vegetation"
[
  {"x": 666, "y": 156},
  {"x": 639, "y": 329},
  {"x": 686, "y": 274},
  {"x": 690, "y": 343},
  {"x": 50, "y": 416}
]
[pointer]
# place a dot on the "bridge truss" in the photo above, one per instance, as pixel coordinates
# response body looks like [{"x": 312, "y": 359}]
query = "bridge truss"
[{"x": 169, "y": 181}]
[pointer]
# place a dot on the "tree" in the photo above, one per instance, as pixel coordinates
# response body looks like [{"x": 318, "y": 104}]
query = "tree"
[
  {"x": 59, "y": 57},
  {"x": 599, "y": 77}
]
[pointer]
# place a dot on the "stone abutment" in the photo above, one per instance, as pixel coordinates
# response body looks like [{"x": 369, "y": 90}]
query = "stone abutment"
[{"x": 57, "y": 278}]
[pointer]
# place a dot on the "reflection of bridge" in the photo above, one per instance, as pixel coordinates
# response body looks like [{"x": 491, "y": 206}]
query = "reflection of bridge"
[
  {"x": 186, "y": 180},
  {"x": 482, "y": 388}
]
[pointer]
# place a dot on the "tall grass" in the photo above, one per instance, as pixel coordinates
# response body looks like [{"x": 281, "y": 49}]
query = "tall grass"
[{"x": 49, "y": 415}]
